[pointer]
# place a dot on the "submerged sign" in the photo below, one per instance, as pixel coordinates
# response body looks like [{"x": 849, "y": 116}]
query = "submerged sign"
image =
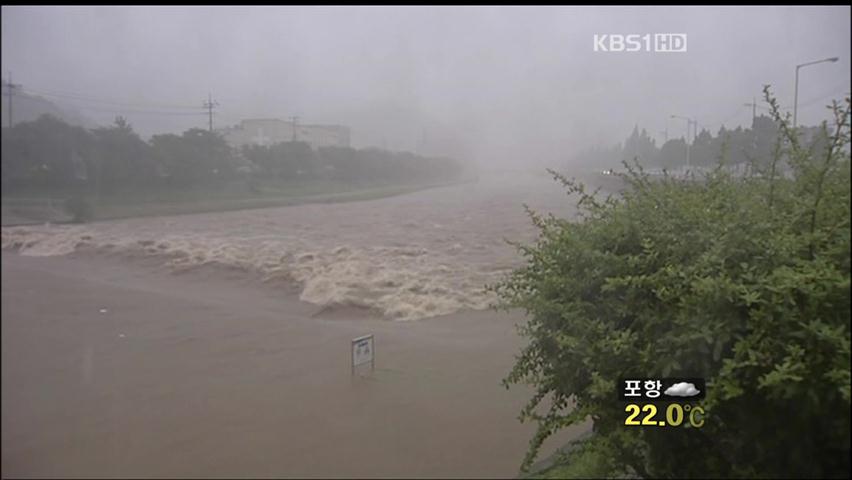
[{"x": 363, "y": 351}]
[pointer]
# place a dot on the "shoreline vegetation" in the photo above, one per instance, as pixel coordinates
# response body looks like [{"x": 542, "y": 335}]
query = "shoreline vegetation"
[
  {"x": 60, "y": 173},
  {"x": 35, "y": 209}
]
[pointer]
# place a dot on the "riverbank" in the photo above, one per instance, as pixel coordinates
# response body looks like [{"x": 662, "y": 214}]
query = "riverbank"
[{"x": 36, "y": 209}]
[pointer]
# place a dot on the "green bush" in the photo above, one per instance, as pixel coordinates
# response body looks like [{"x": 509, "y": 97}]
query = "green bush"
[
  {"x": 742, "y": 281},
  {"x": 586, "y": 458}
]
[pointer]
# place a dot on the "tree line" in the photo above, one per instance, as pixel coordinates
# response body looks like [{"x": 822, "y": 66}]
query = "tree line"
[
  {"x": 737, "y": 146},
  {"x": 49, "y": 154}
]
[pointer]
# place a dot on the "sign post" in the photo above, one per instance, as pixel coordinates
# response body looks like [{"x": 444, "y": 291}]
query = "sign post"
[{"x": 363, "y": 351}]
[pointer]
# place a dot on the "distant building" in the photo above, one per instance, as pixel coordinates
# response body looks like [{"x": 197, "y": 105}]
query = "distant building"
[{"x": 269, "y": 131}]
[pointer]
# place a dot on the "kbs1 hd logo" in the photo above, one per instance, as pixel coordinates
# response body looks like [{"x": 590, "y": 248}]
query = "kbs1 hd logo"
[{"x": 634, "y": 42}]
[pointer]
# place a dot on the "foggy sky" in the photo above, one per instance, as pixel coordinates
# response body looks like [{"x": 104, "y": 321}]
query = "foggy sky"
[{"x": 514, "y": 86}]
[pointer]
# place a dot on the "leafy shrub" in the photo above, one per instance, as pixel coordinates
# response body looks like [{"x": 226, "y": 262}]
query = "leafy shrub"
[{"x": 742, "y": 281}]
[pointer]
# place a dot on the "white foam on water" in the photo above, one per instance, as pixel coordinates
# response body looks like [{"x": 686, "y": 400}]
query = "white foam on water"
[
  {"x": 406, "y": 258},
  {"x": 401, "y": 283},
  {"x": 44, "y": 241}
]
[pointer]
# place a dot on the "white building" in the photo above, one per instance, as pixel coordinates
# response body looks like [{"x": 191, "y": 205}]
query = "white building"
[{"x": 269, "y": 131}]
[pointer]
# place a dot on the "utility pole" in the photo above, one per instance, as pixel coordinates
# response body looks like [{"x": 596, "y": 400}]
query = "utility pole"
[
  {"x": 753, "y": 110},
  {"x": 210, "y": 105},
  {"x": 295, "y": 120},
  {"x": 11, "y": 94},
  {"x": 753, "y": 106}
]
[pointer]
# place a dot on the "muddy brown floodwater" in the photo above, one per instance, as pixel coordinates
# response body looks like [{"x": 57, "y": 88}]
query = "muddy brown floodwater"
[{"x": 217, "y": 345}]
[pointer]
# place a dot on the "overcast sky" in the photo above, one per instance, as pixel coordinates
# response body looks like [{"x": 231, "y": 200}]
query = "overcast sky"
[{"x": 513, "y": 85}]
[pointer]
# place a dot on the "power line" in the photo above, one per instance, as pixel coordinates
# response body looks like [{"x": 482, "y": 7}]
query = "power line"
[
  {"x": 143, "y": 112},
  {"x": 89, "y": 99},
  {"x": 733, "y": 116},
  {"x": 820, "y": 99},
  {"x": 144, "y": 108},
  {"x": 97, "y": 109}
]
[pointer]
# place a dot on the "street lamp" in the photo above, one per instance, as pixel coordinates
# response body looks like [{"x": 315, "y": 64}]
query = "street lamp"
[
  {"x": 689, "y": 122},
  {"x": 796, "y": 93}
]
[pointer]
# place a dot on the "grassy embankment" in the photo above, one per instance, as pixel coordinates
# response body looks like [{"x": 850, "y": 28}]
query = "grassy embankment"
[{"x": 38, "y": 207}]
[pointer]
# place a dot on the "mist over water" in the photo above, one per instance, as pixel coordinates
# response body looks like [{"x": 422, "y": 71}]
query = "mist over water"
[
  {"x": 497, "y": 86},
  {"x": 409, "y": 257}
]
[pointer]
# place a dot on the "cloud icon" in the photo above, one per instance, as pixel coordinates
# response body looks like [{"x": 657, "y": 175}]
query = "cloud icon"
[{"x": 682, "y": 389}]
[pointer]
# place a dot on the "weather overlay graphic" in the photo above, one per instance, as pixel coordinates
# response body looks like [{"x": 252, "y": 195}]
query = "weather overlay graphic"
[{"x": 663, "y": 402}]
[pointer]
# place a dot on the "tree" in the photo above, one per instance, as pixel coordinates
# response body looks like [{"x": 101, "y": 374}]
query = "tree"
[
  {"x": 121, "y": 157},
  {"x": 641, "y": 146},
  {"x": 42, "y": 153},
  {"x": 673, "y": 154},
  {"x": 295, "y": 159},
  {"x": 197, "y": 156},
  {"x": 702, "y": 152},
  {"x": 742, "y": 281}
]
